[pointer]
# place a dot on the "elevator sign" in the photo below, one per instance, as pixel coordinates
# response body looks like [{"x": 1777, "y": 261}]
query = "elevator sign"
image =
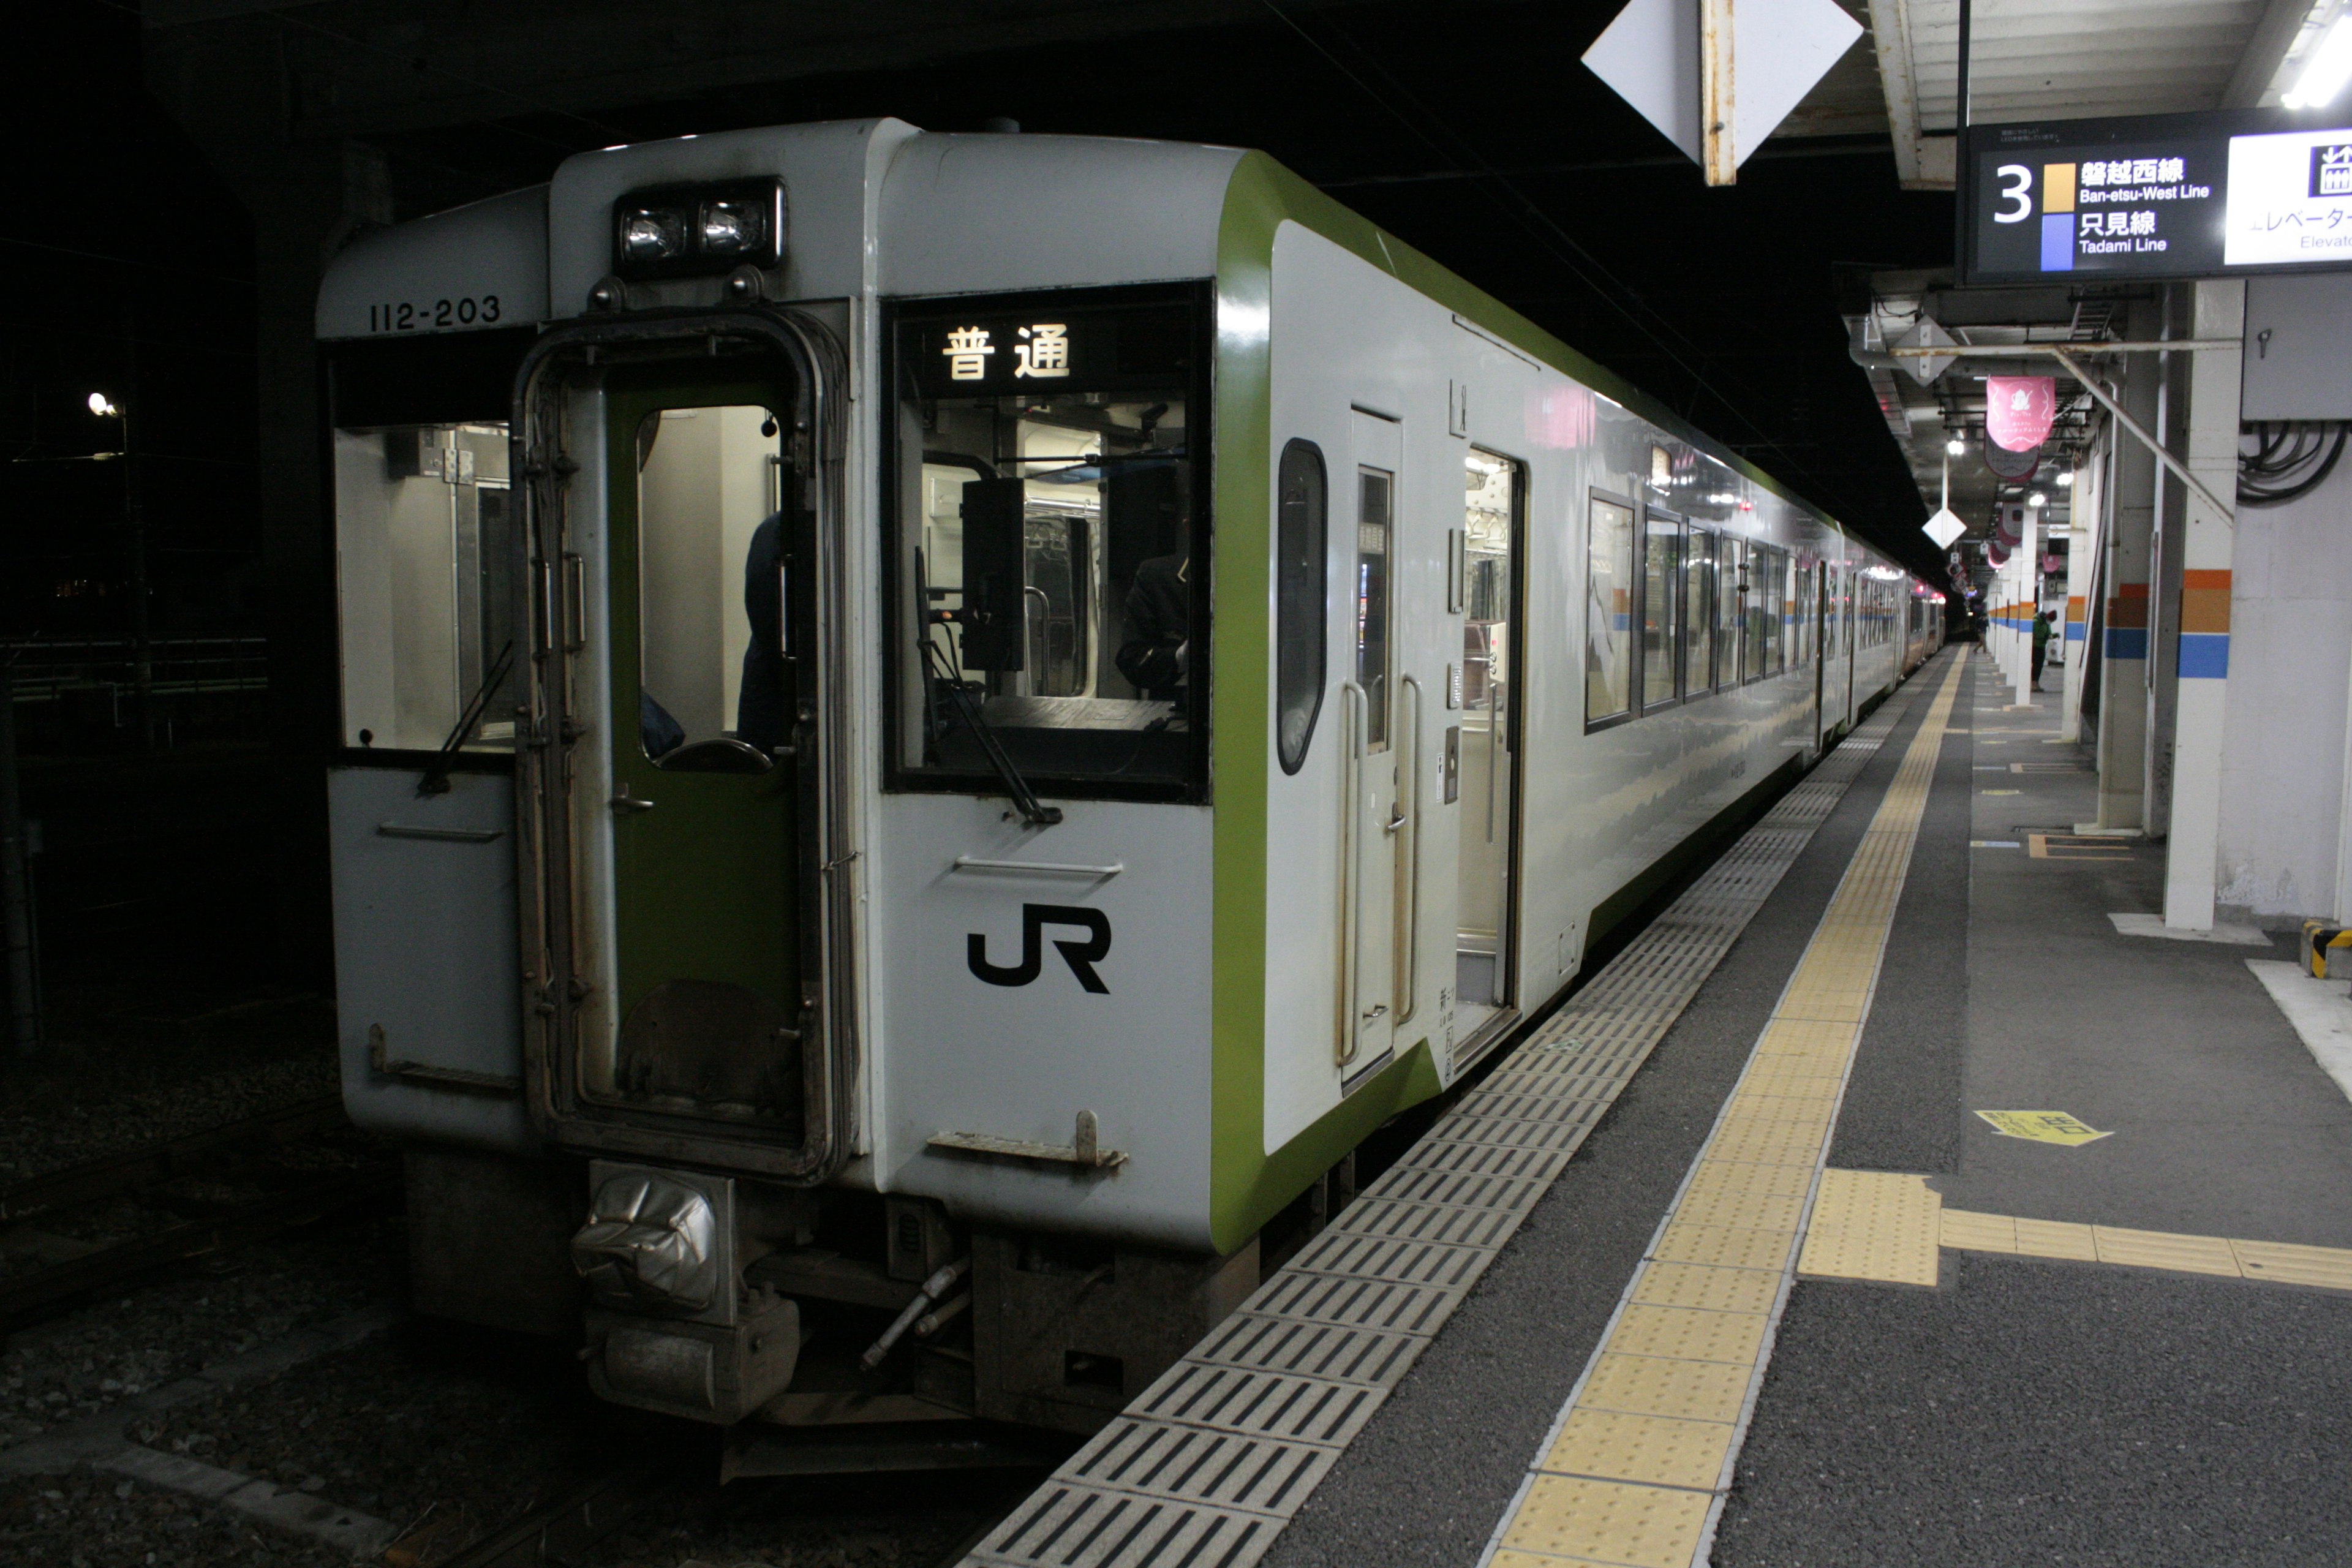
[{"x": 2178, "y": 195}]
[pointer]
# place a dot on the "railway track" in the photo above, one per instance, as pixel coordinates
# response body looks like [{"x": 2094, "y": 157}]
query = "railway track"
[{"x": 76, "y": 1271}]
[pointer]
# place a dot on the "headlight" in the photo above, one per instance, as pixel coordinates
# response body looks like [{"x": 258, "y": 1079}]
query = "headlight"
[
  {"x": 651, "y": 235},
  {"x": 679, "y": 231},
  {"x": 730, "y": 229}
]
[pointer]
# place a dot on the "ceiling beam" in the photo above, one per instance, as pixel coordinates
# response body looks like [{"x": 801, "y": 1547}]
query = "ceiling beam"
[{"x": 2266, "y": 52}]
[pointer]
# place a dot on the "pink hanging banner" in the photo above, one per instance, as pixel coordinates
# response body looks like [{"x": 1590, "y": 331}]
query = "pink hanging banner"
[{"x": 2018, "y": 409}]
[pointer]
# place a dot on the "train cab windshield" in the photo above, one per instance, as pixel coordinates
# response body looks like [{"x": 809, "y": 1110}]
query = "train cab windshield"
[{"x": 1051, "y": 566}]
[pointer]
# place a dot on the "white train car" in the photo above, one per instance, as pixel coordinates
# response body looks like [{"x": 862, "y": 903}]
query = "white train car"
[{"x": 935, "y": 728}]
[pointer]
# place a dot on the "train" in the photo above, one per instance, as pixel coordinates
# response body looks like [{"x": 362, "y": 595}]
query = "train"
[{"x": 934, "y": 730}]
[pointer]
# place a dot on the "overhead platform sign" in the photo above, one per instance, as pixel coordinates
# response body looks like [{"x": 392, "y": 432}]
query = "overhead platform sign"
[{"x": 2167, "y": 195}]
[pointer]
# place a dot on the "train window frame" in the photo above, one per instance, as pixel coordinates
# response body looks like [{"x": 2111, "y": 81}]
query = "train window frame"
[
  {"x": 1594, "y": 499},
  {"x": 1698, "y": 683},
  {"x": 1732, "y": 553},
  {"x": 1302, "y": 569},
  {"x": 1669, "y": 636},
  {"x": 442, "y": 380},
  {"x": 903, "y": 775}
]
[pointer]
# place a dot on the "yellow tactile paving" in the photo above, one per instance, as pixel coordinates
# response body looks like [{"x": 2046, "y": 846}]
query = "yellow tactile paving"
[
  {"x": 2290, "y": 1264},
  {"x": 1661, "y": 1450},
  {"x": 1873, "y": 1224},
  {"x": 1708, "y": 1287},
  {"x": 1608, "y": 1522},
  {"x": 1654, "y": 1385},
  {"x": 2056, "y": 1238},
  {"x": 2157, "y": 1250},
  {"x": 2285, "y": 1263},
  {"x": 1640, "y": 1452},
  {"x": 1743, "y": 1208},
  {"x": 1687, "y": 1334},
  {"x": 1723, "y": 1246},
  {"x": 1714, "y": 1176},
  {"x": 1967, "y": 1231}
]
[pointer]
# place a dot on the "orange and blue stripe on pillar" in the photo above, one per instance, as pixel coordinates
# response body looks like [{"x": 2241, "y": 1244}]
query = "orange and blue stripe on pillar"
[
  {"x": 2128, "y": 622},
  {"x": 2075, "y": 629},
  {"x": 2204, "y": 625}
]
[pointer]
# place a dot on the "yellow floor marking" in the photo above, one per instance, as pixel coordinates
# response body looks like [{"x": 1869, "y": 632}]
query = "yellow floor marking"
[
  {"x": 2281, "y": 1262},
  {"x": 1966, "y": 1231},
  {"x": 2042, "y": 1126},
  {"x": 1873, "y": 1224},
  {"x": 2290, "y": 1264},
  {"x": 1684, "y": 1242},
  {"x": 2056, "y": 1238},
  {"x": 1708, "y": 1287},
  {"x": 1609, "y": 1444},
  {"x": 1643, "y": 1452},
  {"x": 1712, "y": 1178},
  {"x": 1606, "y": 1522},
  {"x": 1688, "y": 1335},
  {"x": 1652, "y": 1385},
  {"x": 2155, "y": 1250}
]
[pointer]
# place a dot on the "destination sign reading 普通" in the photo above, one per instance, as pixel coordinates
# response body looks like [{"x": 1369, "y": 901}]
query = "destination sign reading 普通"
[{"x": 2178, "y": 195}]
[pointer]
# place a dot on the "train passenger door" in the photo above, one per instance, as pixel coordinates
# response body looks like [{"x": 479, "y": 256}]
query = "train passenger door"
[
  {"x": 1484, "y": 757},
  {"x": 704, "y": 818},
  {"x": 1374, "y": 827}
]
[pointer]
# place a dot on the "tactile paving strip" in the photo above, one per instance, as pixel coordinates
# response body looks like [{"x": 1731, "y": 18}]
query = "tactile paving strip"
[
  {"x": 1643, "y": 1453},
  {"x": 1290, "y": 1379}
]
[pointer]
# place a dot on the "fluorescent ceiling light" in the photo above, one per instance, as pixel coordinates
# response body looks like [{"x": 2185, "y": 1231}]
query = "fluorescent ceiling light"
[{"x": 2329, "y": 69}]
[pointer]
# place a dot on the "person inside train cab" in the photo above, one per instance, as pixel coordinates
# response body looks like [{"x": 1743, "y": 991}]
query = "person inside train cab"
[
  {"x": 1157, "y": 652},
  {"x": 761, "y": 719}
]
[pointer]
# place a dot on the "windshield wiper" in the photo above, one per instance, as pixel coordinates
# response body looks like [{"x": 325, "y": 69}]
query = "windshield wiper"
[
  {"x": 437, "y": 774},
  {"x": 1025, "y": 799}
]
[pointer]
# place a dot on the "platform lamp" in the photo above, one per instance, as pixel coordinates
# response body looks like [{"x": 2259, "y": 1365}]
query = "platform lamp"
[{"x": 143, "y": 660}]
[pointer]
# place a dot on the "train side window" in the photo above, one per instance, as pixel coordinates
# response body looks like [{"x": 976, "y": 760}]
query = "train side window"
[
  {"x": 1608, "y": 610},
  {"x": 1661, "y": 581},
  {"x": 1731, "y": 593},
  {"x": 425, "y": 565},
  {"x": 1302, "y": 548},
  {"x": 1698, "y": 612}
]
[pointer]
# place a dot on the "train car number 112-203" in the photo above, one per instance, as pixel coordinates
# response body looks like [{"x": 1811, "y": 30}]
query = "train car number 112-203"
[{"x": 470, "y": 312}]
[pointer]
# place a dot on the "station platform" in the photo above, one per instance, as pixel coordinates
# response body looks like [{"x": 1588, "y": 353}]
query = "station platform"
[{"x": 1894, "y": 1197}]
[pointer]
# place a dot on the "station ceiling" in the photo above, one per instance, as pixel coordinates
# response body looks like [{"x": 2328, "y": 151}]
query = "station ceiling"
[{"x": 1471, "y": 131}]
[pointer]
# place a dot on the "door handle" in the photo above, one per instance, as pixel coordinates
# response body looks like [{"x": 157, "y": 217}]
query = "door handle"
[
  {"x": 1405, "y": 983},
  {"x": 626, "y": 804},
  {"x": 1378, "y": 1010},
  {"x": 1354, "y": 725},
  {"x": 1393, "y": 823}
]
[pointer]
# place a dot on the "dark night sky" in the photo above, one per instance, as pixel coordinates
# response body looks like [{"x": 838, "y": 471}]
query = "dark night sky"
[
  {"x": 1473, "y": 133},
  {"x": 126, "y": 266}
]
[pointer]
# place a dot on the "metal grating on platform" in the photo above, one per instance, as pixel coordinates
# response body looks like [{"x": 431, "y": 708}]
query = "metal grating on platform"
[{"x": 1207, "y": 1465}]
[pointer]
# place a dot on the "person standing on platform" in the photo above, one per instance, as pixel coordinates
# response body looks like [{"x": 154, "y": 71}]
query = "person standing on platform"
[{"x": 2041, "y": 630}]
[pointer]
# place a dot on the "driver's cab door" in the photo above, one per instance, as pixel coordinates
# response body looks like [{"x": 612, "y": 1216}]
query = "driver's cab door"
[{"x": 1373, "y": 937}]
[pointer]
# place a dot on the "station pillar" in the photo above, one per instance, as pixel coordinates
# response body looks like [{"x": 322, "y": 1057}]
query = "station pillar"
[
  {"x": 2025, "y": 605},
  {"x": 2202, "y": 619},
  {"x": 2128, "y": 549},
  {"x": 2085, "y": 511}
]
